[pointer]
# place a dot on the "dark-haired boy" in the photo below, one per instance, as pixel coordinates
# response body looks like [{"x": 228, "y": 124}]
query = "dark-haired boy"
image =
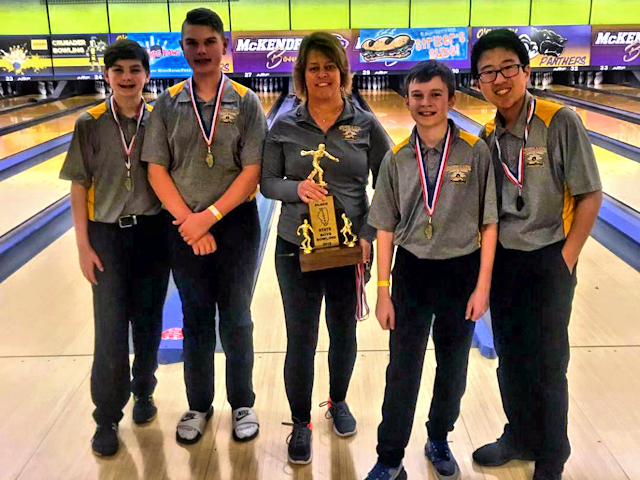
[
  {"x": 204, "y": 148},
  {"x": 120, "y": 238},
  {"x": 435, "y": 200},
  {"x": 550, "y": 193}
]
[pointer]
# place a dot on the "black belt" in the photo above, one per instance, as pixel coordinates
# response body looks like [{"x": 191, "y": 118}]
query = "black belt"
[{"x": 128, "y": 221}]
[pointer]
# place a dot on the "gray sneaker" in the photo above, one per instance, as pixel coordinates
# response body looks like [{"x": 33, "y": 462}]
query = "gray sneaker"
[
  {"x": 344, "y": 424},
  {"x": 382, "y": 472},
  {"x": 440, "y": 456}
]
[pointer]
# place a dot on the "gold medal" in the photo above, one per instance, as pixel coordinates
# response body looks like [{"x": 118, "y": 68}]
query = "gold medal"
[
  {"x": 128, "y": 184},
  {"x": 209, "y": 159},
  {"x": 428, "y": 231}
]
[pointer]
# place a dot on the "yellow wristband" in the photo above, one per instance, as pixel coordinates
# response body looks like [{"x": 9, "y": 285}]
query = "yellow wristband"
[
  {"x": 216, "y": 212},
  {"x": 384, "y": 283}
]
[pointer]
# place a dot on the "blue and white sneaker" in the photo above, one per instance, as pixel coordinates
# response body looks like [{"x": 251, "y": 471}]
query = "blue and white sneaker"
[
  {"x": 442, "y": 460},
  {"x": 382, "y": 472}
]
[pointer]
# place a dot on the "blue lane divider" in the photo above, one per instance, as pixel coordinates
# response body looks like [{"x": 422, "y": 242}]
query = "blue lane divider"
[{"x": 21, "y": 161}]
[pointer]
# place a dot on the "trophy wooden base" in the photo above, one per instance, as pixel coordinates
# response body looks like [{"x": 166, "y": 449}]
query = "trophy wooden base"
[{"x": 331, "y": 257}]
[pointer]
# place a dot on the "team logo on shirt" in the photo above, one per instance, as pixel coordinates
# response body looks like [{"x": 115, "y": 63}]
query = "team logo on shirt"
[
  {"x": 228, "y": 115},
  {"x": 534, "y": 156},
  {"x": 349, "y": 132},
  {"x": 458, "y": 173}
]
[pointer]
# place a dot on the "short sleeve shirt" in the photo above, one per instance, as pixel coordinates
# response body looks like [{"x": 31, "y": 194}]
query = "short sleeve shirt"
[
  {"x": 559, "y": 164},
  {"x": 359, "y": 142},
  {"x": 174, "y": 140},
  {"x": 467, "y": 198},
  {"x": 96, "y": 160}
]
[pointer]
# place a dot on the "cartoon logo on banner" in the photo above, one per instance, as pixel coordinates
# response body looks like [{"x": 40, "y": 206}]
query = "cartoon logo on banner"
[
  {"x": 615, "y": 45},
  {"x": 18, "y": 57},
  {"x": 166, "y": 56},
  {"x": 272, "y": 51},
  {"x": 78, "y": 54},
  {"x": 552, "y": 47}
]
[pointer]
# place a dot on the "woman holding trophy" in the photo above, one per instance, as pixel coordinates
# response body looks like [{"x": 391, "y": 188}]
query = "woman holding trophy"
[{"x": 326, "y": 129}]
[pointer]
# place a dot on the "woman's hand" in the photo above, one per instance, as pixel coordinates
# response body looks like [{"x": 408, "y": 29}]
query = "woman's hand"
[{"x": 308, "y": 191}]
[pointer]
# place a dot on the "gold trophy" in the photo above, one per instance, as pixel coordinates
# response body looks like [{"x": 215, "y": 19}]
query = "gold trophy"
[{"x": 326, "y": 251}]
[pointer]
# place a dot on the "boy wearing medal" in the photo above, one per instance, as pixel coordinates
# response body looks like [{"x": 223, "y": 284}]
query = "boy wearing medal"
[
  {"x": 435, "y": 200},
  {"x": 120, "y": 238},
  {"x": 204, "y": 148},
  {"x": 550, "y": 192}
]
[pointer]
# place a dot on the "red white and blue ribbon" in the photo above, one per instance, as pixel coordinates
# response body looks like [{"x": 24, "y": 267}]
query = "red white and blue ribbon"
[
  {"x": 208, "y": 134},
  {"x": 517, "y": 177},
  {"x": 128, "y": 147},
  {"x": 430, "y": 205},
  {"x": 362, "y": 307}
]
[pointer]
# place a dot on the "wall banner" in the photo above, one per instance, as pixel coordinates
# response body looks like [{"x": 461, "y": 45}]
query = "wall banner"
[
  {"x": 558, "y": 47},
  {"x": 23, "y": 56},
  {"x": 615, "y": 46},
  {"x": 79, "y": 56}
]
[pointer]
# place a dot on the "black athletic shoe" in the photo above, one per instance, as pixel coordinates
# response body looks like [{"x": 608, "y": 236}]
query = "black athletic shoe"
[
  {"x": 299, "y": 441},
  {"x": 144, "y": 410},
  {"x": 500, "y": 452},
  {"x": 545, "y": 473},
  {"x": 440, "y": 456},
  {"x": 105, "y": 441},
  {"x": 344, "y": 424}
]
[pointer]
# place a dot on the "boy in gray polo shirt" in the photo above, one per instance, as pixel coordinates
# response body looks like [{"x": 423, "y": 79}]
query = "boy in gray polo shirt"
[
  {"x": 204, "y": 149},
  {"x": 550, "y": 193},
  {"x": 120, "y": 237},
  {"x": 435, "y": 199}
]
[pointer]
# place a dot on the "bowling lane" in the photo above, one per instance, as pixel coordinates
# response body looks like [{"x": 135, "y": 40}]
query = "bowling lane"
[
  {"x": 615, "y": 101},
  {"x": 622, "y": 89},
  {"x": 19, "y": 101},
  {"x": 60, "y": 321},
  {"x": 606, "y": 282},
  {"x": 620, "y": 130},
  {"x": 31, "y": 113},
  {"x": 620, "y": 175}
]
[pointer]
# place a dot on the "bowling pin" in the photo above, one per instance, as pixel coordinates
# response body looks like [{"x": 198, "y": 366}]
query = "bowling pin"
[
  {"x": 590, "y": 77},
  {"x": 598, "y": 79}
]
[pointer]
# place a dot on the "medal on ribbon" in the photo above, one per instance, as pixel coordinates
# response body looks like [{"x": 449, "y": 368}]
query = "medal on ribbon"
[
  {"x": 517, "y": 177},
  {"x": 430, "y": 193},
  {"x": 208, "y": 133},
  {"x": 128, "y": 147}
]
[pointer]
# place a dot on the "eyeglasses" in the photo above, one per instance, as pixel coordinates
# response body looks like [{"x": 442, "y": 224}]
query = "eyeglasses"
[{"x": 507, "y": 72}]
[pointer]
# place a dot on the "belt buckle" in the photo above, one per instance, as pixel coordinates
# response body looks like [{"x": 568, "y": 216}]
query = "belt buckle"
[{"x": 128, "y": 221}]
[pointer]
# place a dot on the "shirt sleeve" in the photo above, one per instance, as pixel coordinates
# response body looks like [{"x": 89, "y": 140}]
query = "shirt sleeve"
[
  {"x": 76, "y": 164},
  {"x": 255, "y": 130},
  {"x": 569, "y": 138},
  {"x": 156, "y": 147},
  {"x": 384, "y": 213},
  {"x": 273, "y": 183},
  {"x": 487, "y": 183}
]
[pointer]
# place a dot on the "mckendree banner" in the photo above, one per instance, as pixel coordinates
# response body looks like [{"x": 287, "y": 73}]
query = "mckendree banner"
[{"x": 615, "y": 45}]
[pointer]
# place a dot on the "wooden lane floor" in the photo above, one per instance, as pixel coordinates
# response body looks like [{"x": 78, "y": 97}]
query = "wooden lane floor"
[
  {"x": 19, "y": 101},
  {"x": 620, "y": 175},
  {"x": 620, "y": 130},
  {"x": 623, "y": 89},
  {"x": 29, "y": 192},
  {"x": 31, "y": 113},
  {"x": 57, "y": 385},
  {"x": 615, "y": 101}
]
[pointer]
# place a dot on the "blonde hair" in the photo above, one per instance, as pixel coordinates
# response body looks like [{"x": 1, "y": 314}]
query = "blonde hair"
[{"x": 330, "y": 46}]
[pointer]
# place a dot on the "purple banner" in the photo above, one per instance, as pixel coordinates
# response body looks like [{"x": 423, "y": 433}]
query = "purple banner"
[
  {"x": 557, "y": 47},
  {"x": 615, "y": 45},
  {"x": 272, "y": 51}
]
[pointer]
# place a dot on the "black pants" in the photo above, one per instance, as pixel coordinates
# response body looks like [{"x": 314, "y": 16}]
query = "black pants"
[
  {"x": 132, "y": 288},
  {"x": 302, "y": 298},
  {"x": 223, "y": 279},
  {"x": 531, "y": 301},
  {"x": 422, "y": 289}
]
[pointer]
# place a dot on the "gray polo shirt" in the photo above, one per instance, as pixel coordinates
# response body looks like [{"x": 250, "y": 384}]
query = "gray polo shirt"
[
  {"x": 356, "y": 138},
  {"x": 559, "y": 165},
  {"x": 467, "y": 198},
  {"x": 174, "y": 141},
  {"x": 96, "y": 160}
]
